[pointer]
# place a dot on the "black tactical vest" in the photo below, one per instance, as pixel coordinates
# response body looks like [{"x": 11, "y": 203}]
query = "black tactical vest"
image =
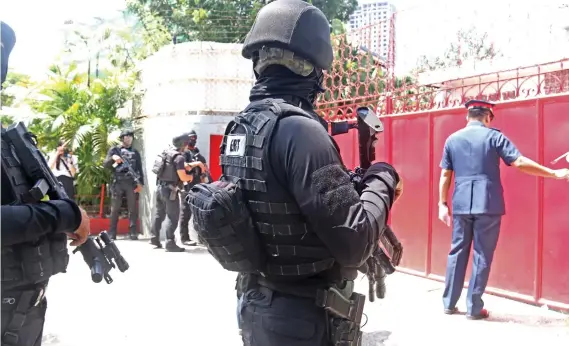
[
  {"x": 126, "y": 154},
  {"x": 169, "y": 173},
  {"x": 33, "y": 262},
  {"x": 293, "y": 249}
]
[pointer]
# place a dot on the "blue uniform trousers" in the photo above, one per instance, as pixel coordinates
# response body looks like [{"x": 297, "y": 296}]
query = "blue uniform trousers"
[
  {"x": 482, "y": 230},
  {"x": 269, "y": 318}
]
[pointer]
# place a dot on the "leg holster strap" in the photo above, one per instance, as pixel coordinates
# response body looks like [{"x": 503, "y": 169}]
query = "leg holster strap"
[
  {"x": 345, "y": 316},
  {"x": 23, "y": 302},
  {"x": 339, "y": 306}
]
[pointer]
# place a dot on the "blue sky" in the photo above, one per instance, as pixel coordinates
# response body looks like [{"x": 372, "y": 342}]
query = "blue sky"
[{"x": 525, "y": 30}]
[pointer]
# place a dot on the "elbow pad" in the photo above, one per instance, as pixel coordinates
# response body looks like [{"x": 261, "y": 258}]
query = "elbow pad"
[{"x": 382, "y": 174}]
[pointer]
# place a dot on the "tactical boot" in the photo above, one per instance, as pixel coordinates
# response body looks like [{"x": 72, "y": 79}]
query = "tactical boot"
[
  {"x": 133, "y": 236},
  {"x": 171, "y": 246},
  {"x": 156, "y": 243},
  {"x": 189, "y": 242}
]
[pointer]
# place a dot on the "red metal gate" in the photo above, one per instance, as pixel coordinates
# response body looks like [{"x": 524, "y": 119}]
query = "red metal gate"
[{"x": 531, "y": 262}]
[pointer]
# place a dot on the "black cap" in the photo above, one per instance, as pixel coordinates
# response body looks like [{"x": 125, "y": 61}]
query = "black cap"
[
  {"x": 192, "y": 133},
  {"x": 293, "y": 25}
]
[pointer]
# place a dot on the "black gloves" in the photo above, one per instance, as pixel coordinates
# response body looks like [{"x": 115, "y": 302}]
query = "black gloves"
[{"x": 386, "y": 173}]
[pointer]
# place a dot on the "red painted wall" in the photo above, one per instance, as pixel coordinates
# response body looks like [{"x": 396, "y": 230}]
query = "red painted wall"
[
  {"x": 532, "y": 259},
  {"x": 214, "y": 144}
]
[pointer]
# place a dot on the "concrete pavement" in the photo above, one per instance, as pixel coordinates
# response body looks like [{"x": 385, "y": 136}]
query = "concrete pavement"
[{"x": 188, "y": 299}]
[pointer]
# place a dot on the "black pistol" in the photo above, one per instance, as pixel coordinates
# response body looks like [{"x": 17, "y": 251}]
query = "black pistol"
[{"x": 101, "y": 255}]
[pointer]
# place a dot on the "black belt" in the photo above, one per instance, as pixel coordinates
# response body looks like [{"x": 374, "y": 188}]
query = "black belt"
[
  {"x": 291, "y": 289},
  {"x": 331, "y": 299},
  {"x": 20, "y": 302}
]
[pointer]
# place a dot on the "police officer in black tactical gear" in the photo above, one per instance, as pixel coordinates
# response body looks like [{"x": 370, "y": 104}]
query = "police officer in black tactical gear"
[
  {"x": 170, "y": 179},
  {"x": 315, "y": 228},
  {"x": 191, "y": 154},
  {"x": 34, "y": 240},
  {"x": 125, "y": 182}
]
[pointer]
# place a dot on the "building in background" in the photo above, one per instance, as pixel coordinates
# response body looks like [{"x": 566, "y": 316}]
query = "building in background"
[{"x": 371, "y": 25}]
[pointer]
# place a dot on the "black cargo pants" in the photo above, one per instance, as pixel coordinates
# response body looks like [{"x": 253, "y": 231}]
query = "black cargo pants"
[
  {"x": 167, "y": 207},
  {"x": 125, "y": 187},
  {"x": 185, "y": 216},
  {"x": 270, "y": 318},
  {"x": 23, "y": 317}
]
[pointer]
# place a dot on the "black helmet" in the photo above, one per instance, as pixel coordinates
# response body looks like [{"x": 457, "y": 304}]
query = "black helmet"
[
  {"x": 7, "y": 40},
  {"x": 288, "y": 31},
  {"x": 192, "y": 133},
  {"x": 181, "y": 140},
  {"x": 126, "y": 132}
]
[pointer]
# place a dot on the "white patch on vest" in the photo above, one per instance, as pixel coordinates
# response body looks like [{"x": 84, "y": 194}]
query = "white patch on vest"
[{"x": 235, "y": 145}]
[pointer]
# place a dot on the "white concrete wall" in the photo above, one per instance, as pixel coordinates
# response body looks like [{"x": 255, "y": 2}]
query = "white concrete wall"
[{"x": 194, "y": 85}]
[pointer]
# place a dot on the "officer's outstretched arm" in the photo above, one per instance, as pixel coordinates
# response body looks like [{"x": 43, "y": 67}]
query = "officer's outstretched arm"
[
  {"x": 305, "y": 160},
  {"x": 25, "y": 223}
]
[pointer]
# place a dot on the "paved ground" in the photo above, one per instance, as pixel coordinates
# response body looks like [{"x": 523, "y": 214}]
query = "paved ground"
[{"x": 187, "y": 299}]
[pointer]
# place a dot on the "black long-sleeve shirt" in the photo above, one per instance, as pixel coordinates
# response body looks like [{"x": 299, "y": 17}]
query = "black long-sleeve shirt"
[
  {"x": 27, "y": 222},
  {"x": 305, "y": 159},
  {"x": 108, "y": 162}
]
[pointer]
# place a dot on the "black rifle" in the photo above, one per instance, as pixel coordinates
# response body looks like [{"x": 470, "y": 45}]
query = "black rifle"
[
  {"x": 126, "y": 167},
  {"x": 45, "y": 183},
  {"x": 195, "y": 156},
  {"x": 382, "y": 261},
  {"x": 102, "y": 257}
]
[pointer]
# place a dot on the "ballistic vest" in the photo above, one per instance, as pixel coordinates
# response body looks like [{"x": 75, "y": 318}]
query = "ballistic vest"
[
  {"x": 128, "y": 155},
  {"x": 169, "y": 173},
  {"x": 33, "y": 262},
  {"x": 293, "y": 249}
]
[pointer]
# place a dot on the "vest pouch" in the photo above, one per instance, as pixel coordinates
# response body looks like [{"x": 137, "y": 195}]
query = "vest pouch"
[
  {"x": 11, "y": 269},
  {"x": 224, "y": 224},
  {"x": 159, "y": 163},
  {"x": 37, "y": 261},
  {"x": 169, "y": 173},
  {"x": 59, "y": 253}
]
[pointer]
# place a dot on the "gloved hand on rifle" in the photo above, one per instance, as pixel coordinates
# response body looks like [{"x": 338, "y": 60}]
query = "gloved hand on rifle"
[{"x": 388, "y": 175}]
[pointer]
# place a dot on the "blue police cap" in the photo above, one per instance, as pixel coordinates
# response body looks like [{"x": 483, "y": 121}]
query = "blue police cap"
[{"x": 480, "y": 104}]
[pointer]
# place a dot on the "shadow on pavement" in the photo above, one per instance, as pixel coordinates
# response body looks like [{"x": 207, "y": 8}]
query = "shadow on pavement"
[
  {"x": 375, "y": 338},
  {"x": 535, "y": 321}
]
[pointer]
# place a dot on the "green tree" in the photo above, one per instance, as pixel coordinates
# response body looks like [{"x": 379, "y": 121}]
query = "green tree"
[
  {"x": 470, "y": 45},
  {"x": 13, "y": 79},
  {"x": 84, "y": 116},
  {"x": 220, "y": 20}
]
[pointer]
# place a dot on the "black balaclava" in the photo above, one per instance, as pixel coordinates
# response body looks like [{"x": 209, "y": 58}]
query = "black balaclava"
[{"x": 279, "y": 81}]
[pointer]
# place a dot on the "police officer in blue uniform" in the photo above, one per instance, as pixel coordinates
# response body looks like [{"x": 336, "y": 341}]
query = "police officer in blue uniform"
[
  {"x": 473, "y": 155},
  {"x": 314, "y": 227}
]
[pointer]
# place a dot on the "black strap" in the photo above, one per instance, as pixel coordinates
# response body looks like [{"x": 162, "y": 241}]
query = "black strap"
[
  {"x": 24, "y": 303},
  {"x": 300, "y": 269},
  {"x": 66, "y": 167}
]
